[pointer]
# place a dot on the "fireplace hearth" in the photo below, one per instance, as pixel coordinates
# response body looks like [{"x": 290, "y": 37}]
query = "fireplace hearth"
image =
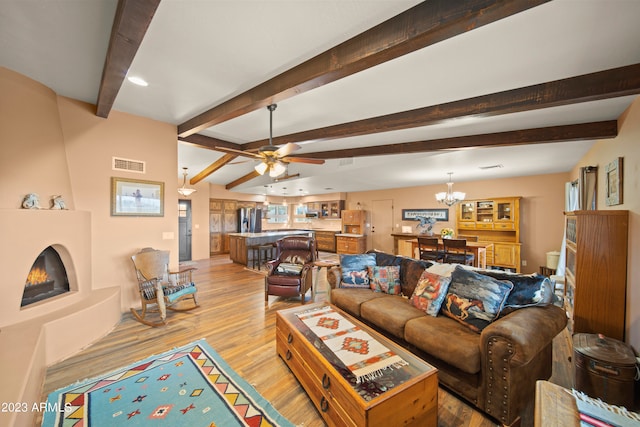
[{"x": 46, "y": 279}]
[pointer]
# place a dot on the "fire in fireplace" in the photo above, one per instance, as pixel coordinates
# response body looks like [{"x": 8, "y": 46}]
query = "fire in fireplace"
[{"x": 47, "y": 278}]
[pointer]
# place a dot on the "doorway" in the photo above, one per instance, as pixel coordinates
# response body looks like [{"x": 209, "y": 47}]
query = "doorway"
[
  {"x": 382, "y": 225},
  {"x": 184, "y": 229}
]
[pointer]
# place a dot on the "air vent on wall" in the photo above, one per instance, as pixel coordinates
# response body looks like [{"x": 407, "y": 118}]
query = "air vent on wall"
[{"x": 137, "y": 166}]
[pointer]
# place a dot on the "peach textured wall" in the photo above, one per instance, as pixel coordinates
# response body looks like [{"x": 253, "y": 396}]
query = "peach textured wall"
[
  {"x": 32, "y": 157},
  {"x": 626, "y": 145},
  {"x": 541, "y": 208},
  {"x": 91, "y": 142}
]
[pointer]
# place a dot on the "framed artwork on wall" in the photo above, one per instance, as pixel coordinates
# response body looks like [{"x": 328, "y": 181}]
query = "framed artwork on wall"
[
  {"x": 413, "y": 214},
  {"x": 135, "y": 197},
  {"x": 614, "y": 182}
]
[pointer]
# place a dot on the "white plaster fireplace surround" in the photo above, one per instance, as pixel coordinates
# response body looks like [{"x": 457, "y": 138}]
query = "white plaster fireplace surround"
[{"x": 40, "y": 334}]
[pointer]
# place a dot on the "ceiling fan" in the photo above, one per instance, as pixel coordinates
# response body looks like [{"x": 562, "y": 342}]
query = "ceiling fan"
[{"x": 273, "y": 159}]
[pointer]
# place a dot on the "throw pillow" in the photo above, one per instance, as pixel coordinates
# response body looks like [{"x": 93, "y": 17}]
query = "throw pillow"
[
  {"x": 288, "y": 269},
  {"x": 473, "y": 299},
  {"x": 385, "y": 279},
  {"x": 354, "y": 270},
  {"x": 528, "y": 289},
  {"x": 294, "y": 259},
  {"x": 430, "y": 292}
]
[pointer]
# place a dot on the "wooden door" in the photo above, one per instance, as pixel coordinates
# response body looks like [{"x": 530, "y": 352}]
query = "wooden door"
[
  {"x": 215, "y": 226},
  {"x": 382, "y": 225}
]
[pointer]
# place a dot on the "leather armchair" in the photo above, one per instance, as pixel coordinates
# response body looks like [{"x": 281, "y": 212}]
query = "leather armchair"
[{"x": 296, "y": 250}]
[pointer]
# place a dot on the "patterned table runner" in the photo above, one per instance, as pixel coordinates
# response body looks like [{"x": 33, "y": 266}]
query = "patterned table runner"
[{"x": 365, "y": 357}]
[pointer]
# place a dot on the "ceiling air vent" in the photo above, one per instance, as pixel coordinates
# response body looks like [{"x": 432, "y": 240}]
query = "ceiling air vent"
[{"x": 128, "y": 165}]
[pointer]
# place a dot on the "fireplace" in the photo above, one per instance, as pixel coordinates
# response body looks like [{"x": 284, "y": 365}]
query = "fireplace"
[{"x": 46, "y": 279}]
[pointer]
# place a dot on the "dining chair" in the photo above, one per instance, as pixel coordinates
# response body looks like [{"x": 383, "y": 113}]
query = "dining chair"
[
  {"x": 455, "y": 252},
  {"x": 429, "y": 249}
]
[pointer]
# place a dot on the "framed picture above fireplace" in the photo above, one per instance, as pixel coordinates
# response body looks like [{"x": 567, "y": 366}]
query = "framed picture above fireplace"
[{"x": 135, "y": 197}]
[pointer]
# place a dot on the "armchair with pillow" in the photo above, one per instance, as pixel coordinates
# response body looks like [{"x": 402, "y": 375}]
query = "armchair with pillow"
[
  {"x": 489, "y": 333},
  {"x": 290, "y": 274}
]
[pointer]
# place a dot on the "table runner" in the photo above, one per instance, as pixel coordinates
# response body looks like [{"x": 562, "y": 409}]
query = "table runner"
[{"x": 365, "y": 357}]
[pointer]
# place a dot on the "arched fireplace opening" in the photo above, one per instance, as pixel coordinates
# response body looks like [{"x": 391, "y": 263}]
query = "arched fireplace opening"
[{"x": 46, "y": 279}]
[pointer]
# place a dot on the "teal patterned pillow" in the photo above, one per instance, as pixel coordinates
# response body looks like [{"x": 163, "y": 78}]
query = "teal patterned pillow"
[
  {"x": 354, "y": 270},
  {"x": 385, "y": 279},
  {"x": 475, "y": 300}
]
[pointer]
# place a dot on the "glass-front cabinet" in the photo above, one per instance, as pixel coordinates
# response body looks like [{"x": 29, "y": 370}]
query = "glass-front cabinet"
[{"x": 496, "y": 221}]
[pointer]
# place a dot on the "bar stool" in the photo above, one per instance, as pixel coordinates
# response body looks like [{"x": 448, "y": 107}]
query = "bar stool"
[{"x": 261, "y": 253}]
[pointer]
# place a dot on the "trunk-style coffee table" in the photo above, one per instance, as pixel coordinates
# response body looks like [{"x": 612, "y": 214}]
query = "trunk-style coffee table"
[{"x": 354, "y": 375}]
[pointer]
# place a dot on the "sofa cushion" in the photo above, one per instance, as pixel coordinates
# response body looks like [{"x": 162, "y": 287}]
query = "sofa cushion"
[
  {"x": 447, "y": 340},
  {"x": 528, "y": 289},
  {"x": 410, "y": 272},
  {"x": 354, "y": 270},
  {"x": 389, "y": 313},
  {"x": 383, "y": 258},
  {"x": 430, "y": 292},
  {"x": 350, "y": 299},
  {"x": 475, "y": 299},
  {"x": 385, "y": 279}
]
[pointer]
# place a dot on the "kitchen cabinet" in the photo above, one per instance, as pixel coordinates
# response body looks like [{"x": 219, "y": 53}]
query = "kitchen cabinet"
[{"x": 326, "y": 240}]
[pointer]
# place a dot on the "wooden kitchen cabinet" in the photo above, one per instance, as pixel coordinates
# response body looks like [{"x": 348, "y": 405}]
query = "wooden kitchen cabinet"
[
  {"x": 326, "y": 240},
  {"x": 351, "y": 244}
]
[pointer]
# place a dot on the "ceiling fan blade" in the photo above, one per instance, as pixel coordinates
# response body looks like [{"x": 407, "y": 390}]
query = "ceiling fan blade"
[
  {"x": 239, "y": 152},
  {"x": 303, "y": 160},
  {"x": 287, "y": 149}
]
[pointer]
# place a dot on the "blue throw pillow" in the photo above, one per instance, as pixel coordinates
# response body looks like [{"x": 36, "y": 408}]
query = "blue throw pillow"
[
  {"x": 528, "y": 289},
  {"x": 355, "y": 273},
  {"x": 473, "y": 299}
]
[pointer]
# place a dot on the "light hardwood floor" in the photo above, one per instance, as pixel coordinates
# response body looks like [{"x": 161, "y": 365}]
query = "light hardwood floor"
[{"x": 236, "y": 322}]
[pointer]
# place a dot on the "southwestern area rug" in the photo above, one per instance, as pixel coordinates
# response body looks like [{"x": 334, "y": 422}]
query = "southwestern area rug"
[{"x": 187, "y": 386}]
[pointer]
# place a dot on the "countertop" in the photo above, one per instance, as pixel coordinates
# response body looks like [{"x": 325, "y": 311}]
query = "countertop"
[
  {"x": 269, "y": 233},
  {"x": 350, "y": 235}
]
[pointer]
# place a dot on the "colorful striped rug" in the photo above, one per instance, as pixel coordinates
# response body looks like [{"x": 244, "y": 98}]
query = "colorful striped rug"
[{"x": 187, "y": 386}]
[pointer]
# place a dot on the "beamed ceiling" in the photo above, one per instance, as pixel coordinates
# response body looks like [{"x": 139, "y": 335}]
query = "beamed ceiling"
[{"x": 389, "y": 93}]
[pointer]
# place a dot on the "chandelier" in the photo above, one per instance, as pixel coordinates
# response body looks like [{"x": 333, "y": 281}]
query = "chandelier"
[
  {"x": 186, "y": 192},
  {"x": 451, "y": 197}
]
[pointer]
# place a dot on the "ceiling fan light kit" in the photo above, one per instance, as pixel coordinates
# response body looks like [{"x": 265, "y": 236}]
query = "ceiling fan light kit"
[
  {"x": 450, "y": 197},
  {"x": 184, "y": 190}
]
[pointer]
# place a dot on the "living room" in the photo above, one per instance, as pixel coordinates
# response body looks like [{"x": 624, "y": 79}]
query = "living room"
[{"x": 69, "y": 150}]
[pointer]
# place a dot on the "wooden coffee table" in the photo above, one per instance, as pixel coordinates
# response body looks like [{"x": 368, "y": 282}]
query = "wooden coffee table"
[{"x": 406, "y": 396}]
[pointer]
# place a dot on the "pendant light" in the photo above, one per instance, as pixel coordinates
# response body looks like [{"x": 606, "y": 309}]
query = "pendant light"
[
  {"x": 186, "y": 192},
  {"x": 450, "y": 197}
]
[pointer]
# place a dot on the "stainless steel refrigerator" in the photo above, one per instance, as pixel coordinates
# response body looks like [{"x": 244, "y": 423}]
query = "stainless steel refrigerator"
[{"x": 249, "y": 220}]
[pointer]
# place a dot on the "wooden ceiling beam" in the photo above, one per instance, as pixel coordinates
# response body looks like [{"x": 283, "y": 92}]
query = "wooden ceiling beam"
[
  {"x": 606, "y": 84},
  {"x": 210, "y": 142},
  {"x": 242, "y": 180},
  {"x": 129, "y": 27},
  {"x": 423, "y": 25},
  {"x": 212, "y": 168},
  {"x": 577, "y": 132}
]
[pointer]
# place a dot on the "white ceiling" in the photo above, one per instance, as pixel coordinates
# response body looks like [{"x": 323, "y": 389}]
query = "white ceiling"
[{"x": 197, "y": 54}]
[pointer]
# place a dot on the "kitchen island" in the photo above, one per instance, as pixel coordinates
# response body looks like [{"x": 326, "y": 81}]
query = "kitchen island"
[{"x": 239, "y": 243}]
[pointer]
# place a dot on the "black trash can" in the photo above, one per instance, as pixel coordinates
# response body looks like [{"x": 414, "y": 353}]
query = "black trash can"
[{"x": 605, "y": 368}]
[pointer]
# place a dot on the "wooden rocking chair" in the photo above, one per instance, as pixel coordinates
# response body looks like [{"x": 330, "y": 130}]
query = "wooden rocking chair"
[{"x": 159, "y": 288}]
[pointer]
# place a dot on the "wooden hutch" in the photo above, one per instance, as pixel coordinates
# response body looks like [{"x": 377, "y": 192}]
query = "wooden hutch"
[
  {"x": 352, "y": 239},
  {"x": 496, "y": 221},
  {"x": 596, "y": 271}
]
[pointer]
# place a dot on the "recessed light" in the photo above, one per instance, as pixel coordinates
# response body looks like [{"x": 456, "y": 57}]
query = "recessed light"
[{"x": 138, "y": 81}]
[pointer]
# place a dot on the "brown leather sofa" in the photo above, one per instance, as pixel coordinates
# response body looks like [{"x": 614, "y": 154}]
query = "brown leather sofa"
[{"x": 495, "y": 370}]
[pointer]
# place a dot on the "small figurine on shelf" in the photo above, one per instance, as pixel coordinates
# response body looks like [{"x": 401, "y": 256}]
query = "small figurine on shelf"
[
  {"x": 31, "y": 201},
  {"x": 57, "y": 202},
  {"x": 446, "y": 233},
  {"x": 426, "y": 225}
]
